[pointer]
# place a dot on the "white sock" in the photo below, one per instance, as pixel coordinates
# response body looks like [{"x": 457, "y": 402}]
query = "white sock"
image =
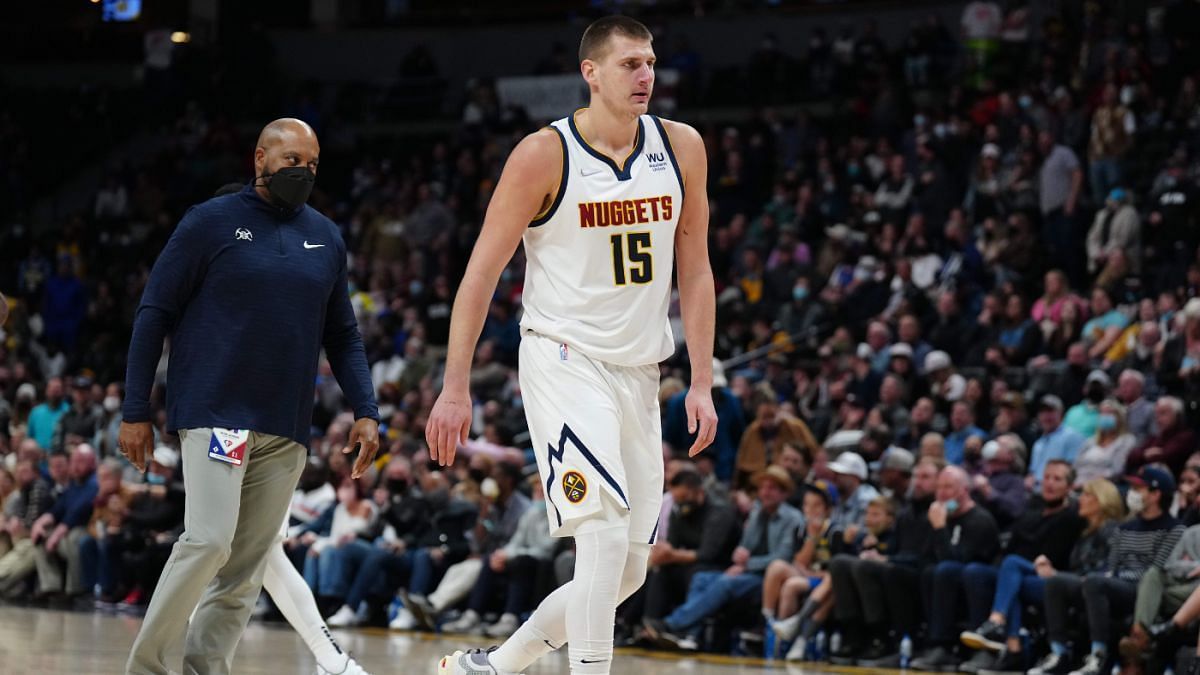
[
  {"x": 294, "y": 599},
  {"x": 545, "y": 631}
]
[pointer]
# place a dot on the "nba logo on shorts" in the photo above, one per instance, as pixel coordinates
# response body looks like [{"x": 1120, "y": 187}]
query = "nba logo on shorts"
[{"x": 562, "y": 352}]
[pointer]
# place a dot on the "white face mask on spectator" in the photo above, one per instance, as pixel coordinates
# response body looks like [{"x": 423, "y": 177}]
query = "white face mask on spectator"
[
  {"x": 1133, "y": 500},
  {"x": 112, "y": 404}
]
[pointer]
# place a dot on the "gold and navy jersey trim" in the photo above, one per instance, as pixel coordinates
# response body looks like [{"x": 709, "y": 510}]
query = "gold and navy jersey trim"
[
  {"x": 545, "y": 216},
  {"x": 622, "y": 172},
  {"x": 662, "y": 132}
]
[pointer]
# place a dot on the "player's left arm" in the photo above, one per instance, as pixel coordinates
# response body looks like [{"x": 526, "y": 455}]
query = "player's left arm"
[{"x": 697, "y": 294}]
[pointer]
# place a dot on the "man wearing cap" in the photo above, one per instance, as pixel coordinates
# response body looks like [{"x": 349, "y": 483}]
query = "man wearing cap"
[
  {"x": 770, "y": 534},
  {"x": 895, "y": 473},
  {"x": 1083, "y": 417},
  {"x": 1056, "y": 441},
  {"x": 1117, "y": 227},
  {"x": 874, "y": 592},
  {"x": 849, "y": 475},
  {"x": 1001, "y": 487},
  {"x": 44, "y": 417},
  {"x": 945, "y": 385},
  {"x": 1173, "y": 442},
  {"x": 1145, "y": 541},
  {"x": 82, "y": 420}
]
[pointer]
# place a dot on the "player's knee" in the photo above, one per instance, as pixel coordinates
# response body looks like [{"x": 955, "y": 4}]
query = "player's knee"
[{"x": 634, "y": 574}]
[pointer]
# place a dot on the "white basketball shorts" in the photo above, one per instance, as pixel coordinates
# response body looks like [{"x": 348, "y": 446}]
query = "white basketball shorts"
[{"x": 596, "y": 432}]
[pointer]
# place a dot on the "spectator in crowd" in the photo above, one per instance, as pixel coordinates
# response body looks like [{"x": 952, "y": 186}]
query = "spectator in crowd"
[
  {"x": 1100, "y": 332},
  {"x": 764, "y": 437},
  {"x": 1162, "y": 590},
  {"x": 1056, "y": 441},
  {"x": 730, "y": 428},
  {"x": 895, "y": 474},
  {"x": 787, "y": 583},
  {"x": 1179, "y": 370},
  {"x": 1139, "y": 412},
  {"x": 1021, "y": 583},
  {"x": 43, "y": 419},
  {"x": 874, "y": 590},
  {"x": 770, "y": 534},
  {"x": 1173, "y": 442},
  {"x": 1083, "y": 417},
  {"x": 962, "y": 534},
  {"x": 22, "y": 510},
  {"x": 1114, "y": 240},
  {"x": 1001, "y": 487},
  {"x": 701, "y": 537},
  {"x": 149, "y": 528},
  {"x": 853, "y": 492},
  {"x": 502, "y": 508},
  {"x": 59, "y": 531},
  {"x": 514, "y": 566},
  {"x": 1113, "y": 127},
  {"x": 342, "y": 524},
  {"x": 1104, "y": 454},
  {"x": 1138, "y": 545},
  {"x": 962, "y": 427},
  {"x": 82, "y": 420},
  {"x": 1048, "y": 528},
  {"x": 99, "y": 548}
]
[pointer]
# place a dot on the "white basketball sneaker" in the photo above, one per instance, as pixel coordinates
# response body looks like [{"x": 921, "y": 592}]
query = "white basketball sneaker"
[{"x": 470, "y": 662}]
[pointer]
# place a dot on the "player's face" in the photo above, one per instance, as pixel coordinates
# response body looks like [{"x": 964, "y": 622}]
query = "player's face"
[{"x": 623, "y": 77}]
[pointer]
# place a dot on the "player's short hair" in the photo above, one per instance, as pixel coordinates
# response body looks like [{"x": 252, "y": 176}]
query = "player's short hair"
[{"x": 595, "y": 38}]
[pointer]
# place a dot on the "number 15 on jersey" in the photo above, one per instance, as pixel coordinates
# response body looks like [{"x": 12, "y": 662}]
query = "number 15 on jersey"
[{"x": 632, "y": 260}]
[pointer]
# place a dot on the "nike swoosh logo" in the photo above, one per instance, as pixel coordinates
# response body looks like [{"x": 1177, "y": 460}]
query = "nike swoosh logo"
[
  {"x": 308, "y": 245},
  {"x": 593, "y": 172},
  {"x": 586, "y": 661}
]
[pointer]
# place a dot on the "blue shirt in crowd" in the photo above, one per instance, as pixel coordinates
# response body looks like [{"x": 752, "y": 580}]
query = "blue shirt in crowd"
[
  {"x": 42, "y": 420},
  {"x": 1062, "y": 443},
  {"x": 73, "y": 507}
]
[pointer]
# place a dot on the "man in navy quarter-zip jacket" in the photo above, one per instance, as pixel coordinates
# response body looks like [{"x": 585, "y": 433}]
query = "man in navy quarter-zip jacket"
[{"x": 250, "y": 287}]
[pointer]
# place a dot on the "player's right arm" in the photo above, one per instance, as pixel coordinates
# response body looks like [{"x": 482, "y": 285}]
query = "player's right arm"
[{"x": 529, "y": 182}]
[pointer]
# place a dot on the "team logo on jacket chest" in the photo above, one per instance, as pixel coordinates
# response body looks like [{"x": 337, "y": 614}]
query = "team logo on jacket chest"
[{"x": 626, "y": 211}]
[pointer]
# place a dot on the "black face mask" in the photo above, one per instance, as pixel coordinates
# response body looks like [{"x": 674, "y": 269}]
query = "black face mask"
[
  {"x": 477, "y": 475},
  {"x": 397, "y": 486},
  {"x": 438, "y": 499},
  {"x": 1095, "y": 394},
  {"x": 290, "y": 186}
]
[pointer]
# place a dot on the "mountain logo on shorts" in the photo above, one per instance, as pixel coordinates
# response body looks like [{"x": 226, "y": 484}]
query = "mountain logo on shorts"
[{"x": 574, "y": 486}]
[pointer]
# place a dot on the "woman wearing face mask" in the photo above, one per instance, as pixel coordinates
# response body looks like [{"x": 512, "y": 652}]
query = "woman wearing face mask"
[
  {"x": 1104, "y": 454},
  {"x": 1185, "y": 507}
]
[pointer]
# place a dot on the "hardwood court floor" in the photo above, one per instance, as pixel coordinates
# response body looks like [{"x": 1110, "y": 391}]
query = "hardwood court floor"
[{"x": 50, "y": 642}]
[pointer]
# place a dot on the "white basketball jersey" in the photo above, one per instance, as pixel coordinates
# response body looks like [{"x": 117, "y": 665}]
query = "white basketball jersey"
[{"x": 600, "y": 259}]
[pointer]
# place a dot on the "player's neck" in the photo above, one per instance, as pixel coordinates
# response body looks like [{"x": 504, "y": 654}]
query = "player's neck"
[{"x": 611, "y": 133}]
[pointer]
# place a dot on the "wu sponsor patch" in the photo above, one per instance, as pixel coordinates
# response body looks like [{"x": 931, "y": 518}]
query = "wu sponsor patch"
[
  {"x": 229, "y": 445},
  {"x": 575, "y": 486}
]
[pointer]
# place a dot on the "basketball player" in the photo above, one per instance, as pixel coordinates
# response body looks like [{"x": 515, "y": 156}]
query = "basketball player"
[{"x": 599, "y": 200}]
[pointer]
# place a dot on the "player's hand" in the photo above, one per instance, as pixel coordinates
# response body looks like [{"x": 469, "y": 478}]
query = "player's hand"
[
  {"x": 365, "y": 434},
  {"x": 448, "y": 424},
  {"x": 701, "y": 417},
  {"x": 136, "y": 441}
]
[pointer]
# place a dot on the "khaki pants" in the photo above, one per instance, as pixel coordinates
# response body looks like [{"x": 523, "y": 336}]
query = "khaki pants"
[
  {"x": 1156, "y": 593},
  {"x": 16, "y": 566},
  {"x": 50, "y": 565},
  {"x": 231, "y": 518}
]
